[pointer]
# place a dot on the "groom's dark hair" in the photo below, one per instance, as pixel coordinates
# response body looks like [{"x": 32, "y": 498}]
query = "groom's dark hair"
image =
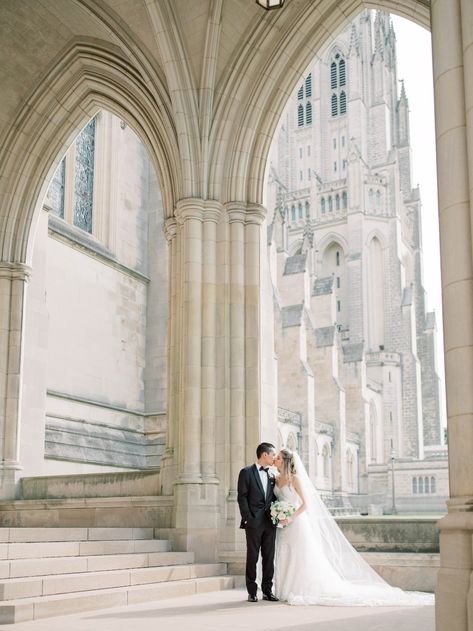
[{"x": 264, "y": 448}]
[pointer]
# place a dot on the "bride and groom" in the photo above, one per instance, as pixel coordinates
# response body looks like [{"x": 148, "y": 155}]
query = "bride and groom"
[{"x": 310, "y": 560}]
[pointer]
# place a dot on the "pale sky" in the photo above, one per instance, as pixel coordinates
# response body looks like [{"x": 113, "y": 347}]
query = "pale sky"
[{"x": 414, "y": 57}]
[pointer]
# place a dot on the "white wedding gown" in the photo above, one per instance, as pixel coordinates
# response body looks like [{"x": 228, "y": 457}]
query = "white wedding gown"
[{"x": 310, "y": 570}]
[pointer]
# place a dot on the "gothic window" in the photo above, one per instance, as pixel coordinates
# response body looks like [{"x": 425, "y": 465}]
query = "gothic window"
[
  {"x": 300, "y": 93},
  {"x": 291, "y": 442},
  {"x": 334, "y": 142},
  {"x": 414, "y": 486},
  {"x": 334, "y": 105},
  {"x": 333, "y": 75},
  {"x": 326, "y": 461},
  {"x": 300, "y": 211},
  {"x": 55, "y": 196},
  {"x": 339, "y": 306},
  {"x": 338, "y": 80},
  {"x": 330, "y": 203},
  {"x": 301, "y": 176},
  {"x": 344, "y": 165},
  {"x": 378, "y": 199},
  {"x": 322, "y": 205},
  {"x": 308, "y": 174},
  {"x": 338, "y": 282},
  {"x": 337, "y": 202},
  {"x": 344, "y": 199},
  {"x": 308, "y": 113},
  {"x": 308, "y": 150},
  {"x": 343, "y": 141},
  {"x": 335, "y": 166},
  {"x": 300, "y": 152},
  {"x": 337, "y": 258},
  {"x": 421, "y": 484},
  {"x": 350, "y": 468},
  {"x": 300, "y": 116},
  {"x": 432, "y": 485},
  {"x": 293, "y": 213},
  {"x": 308, "y": 86},
  {"x": 342, "y": 72},
  {"x": 370, "y": 198},
  {"x": 307, "y": 209},
  {"x": 426, "y": 484},
  {"x": 84, "y": 178}
]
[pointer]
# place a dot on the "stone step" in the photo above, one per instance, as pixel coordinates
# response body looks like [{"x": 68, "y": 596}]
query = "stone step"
[
  {"x": 37, "y": 535},
  {"x": 17, "y": 568},
  {"x": 24, "y": 609},
  {"x": 30, "y": 587},
  {"x": 80, "y": 548}
]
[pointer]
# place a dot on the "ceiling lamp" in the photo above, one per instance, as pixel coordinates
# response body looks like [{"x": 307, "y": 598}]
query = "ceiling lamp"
[{"x": 270, "y": 4}]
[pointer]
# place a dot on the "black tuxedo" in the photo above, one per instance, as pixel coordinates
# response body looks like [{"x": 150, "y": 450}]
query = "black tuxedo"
[{"x": 256, "y": 520}]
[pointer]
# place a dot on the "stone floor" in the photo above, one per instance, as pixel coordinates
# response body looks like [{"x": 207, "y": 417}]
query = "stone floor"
[{"x": 228, "y": 611}]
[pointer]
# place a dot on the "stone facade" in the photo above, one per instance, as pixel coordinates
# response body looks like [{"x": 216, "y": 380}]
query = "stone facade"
[{"x": 355, "y": 347}]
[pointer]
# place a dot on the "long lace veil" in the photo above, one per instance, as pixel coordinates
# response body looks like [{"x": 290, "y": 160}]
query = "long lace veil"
[{"x": 345, "y": 560}]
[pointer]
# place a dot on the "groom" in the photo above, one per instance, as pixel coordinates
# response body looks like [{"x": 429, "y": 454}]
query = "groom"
[{"x": 255, "y": 494}]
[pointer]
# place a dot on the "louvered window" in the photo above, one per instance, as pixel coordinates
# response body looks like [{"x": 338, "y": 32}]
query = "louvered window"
[
  {"x": 333, "y": 75},
  {"x": 334, "y": 105},
  {"x": 342, "y": 72},
  {"x": 308, "y": 113},
  {"x": 308, "y": 86},
  {"x": 343, "y": 103},
  {"x": 300, "y": 116}
]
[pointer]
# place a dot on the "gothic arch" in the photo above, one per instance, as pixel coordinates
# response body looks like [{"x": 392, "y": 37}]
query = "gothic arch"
[
  {"x": 377, "y": 234},
  {"x": 296, "y": 247},
  {"x": 242, "y": 135},
  {"x": 87, "y": 77},
  {"x": 328, "y": 239}
]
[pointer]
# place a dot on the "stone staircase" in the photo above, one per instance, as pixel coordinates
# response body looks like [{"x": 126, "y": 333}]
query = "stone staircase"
[{"x": 48, "y": 572}]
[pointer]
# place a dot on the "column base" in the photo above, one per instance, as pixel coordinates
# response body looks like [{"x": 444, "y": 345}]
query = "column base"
[
  {"x": 196, "y": 519},
  {"x": 168, "y": 473},
  {"x": 9, "y": 480},
  {"x": 454, "y": 592}
]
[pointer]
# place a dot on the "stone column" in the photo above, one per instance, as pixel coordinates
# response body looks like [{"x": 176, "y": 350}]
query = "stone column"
[
  {"x": 452, "y": 44},
  {"x": 13, "y": 278},
  {"x": 236, "y": 217},
  {"x": 196, "y": 485},
  {"x": 169, "y": 461},
  {"x": 209, "y": 341},
  {"x": 255, "y": 215}
]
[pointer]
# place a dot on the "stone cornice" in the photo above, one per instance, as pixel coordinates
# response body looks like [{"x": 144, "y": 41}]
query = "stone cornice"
[{"x": 15, "y": 271}]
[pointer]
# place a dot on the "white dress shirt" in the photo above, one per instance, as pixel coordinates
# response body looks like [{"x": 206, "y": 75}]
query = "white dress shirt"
[{"x": 264, "y": 477}]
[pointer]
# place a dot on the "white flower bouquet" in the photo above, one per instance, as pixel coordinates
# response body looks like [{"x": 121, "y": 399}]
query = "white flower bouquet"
[{"x": 281, "y": 510}]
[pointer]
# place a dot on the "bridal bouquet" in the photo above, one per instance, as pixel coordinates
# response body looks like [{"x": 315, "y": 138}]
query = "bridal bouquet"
[{"x": 281, "y": 510}]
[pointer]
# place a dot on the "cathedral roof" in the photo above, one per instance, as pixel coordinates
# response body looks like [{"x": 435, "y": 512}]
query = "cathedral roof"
[
  {"x": 323, "y": 286},
  {"x": 295, "y": 264},
  {"x": 291, "y": 316}
]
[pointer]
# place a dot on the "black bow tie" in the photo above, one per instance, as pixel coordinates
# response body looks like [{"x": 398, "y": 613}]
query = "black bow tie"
[{"x": 264, "y": 469}]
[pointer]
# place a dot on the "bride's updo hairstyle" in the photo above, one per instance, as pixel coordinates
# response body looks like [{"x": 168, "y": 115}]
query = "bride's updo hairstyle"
[{"x": 289, "y": 464}]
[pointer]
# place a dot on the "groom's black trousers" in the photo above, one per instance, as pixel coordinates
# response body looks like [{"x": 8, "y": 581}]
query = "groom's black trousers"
[{"x": 261, "y": 538}]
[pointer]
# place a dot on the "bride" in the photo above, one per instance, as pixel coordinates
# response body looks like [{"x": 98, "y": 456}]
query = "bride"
[{"x": 315, "y": 563}]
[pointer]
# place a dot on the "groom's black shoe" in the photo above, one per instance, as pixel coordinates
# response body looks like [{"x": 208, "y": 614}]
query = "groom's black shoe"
[
  {"x": 252, "y": 599},
  {"x": 270, "y": 596}
]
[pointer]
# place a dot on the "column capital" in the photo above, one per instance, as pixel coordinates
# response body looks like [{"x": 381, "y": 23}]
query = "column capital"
[
  {"x": 170, "y": 228},
  {"x": 189, "y": 208},
  {"x": 247, "y": 213},
  {"x": 15, "y": 271},
  {"x": 213, "y": 210}
]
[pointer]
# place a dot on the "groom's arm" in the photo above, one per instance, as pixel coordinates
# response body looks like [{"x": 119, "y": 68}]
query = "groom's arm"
[{"x": 243, "y": 489}]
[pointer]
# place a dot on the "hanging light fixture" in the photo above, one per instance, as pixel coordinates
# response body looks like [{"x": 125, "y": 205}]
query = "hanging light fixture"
[{"x": 270, "y": 4}]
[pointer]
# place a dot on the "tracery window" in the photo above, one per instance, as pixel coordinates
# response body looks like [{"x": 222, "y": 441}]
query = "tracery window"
[
  {"x": 84, "y": 178},
  {"x": 338, "y": 80}
]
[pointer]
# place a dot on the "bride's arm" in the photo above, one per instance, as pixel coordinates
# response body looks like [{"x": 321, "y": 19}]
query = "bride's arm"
[{"x": 297, "y": 487}]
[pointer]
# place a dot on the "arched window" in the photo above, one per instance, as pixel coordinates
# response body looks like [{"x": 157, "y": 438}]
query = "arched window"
[
  {"x": 322, "y": 205},
  {"x": 414, "y": 486},
  {"x": 350, "y": 468},
  {"x": 337, "y": 258},
  {"x": 84, "y": 178},
  {"x": 421, "y": 484},
  {"x": 300, "y": 93},
  {"x": 378, "y": 199},
  {"x": 291, "y": 442},
  {"x": 333, "y": 75},
  {"x": 55, "y": 195},
  {"x": 343, "y": 103},
  {"x": 370, "y": 198},
  {"x": 293, "y": 213},
  {"x": 330, "y": 203},
  {"x": 307, "y": 209},
  {"x": 344, "y": 199},
  {"x": 300, "y": 116},
  {"x": 334, "y": 105},
  {"x": 433, "y": 486},
  {"x": 426, "y": 485},
  {"x": 308, "y": 113},
  {"x": 342, "y": 73},
  {"x": 308, "y": 86},
  {"x": 326, "y": 461},
  {"x": 300, "y": 210},
  {"x": 337, "y": 202}
]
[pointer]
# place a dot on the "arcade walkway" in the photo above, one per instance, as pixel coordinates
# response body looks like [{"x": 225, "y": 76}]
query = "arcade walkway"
[{"x": 228, "y": 611}]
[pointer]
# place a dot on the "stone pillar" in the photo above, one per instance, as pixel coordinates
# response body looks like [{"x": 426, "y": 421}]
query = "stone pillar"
[
  {"x": 452, "y": 43},
  {"x": 192, "y": 426},
  {"x": 13, "y": 278},
  {"x": 236, "y": 217},
  {"x": 169, "y": 460}
]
